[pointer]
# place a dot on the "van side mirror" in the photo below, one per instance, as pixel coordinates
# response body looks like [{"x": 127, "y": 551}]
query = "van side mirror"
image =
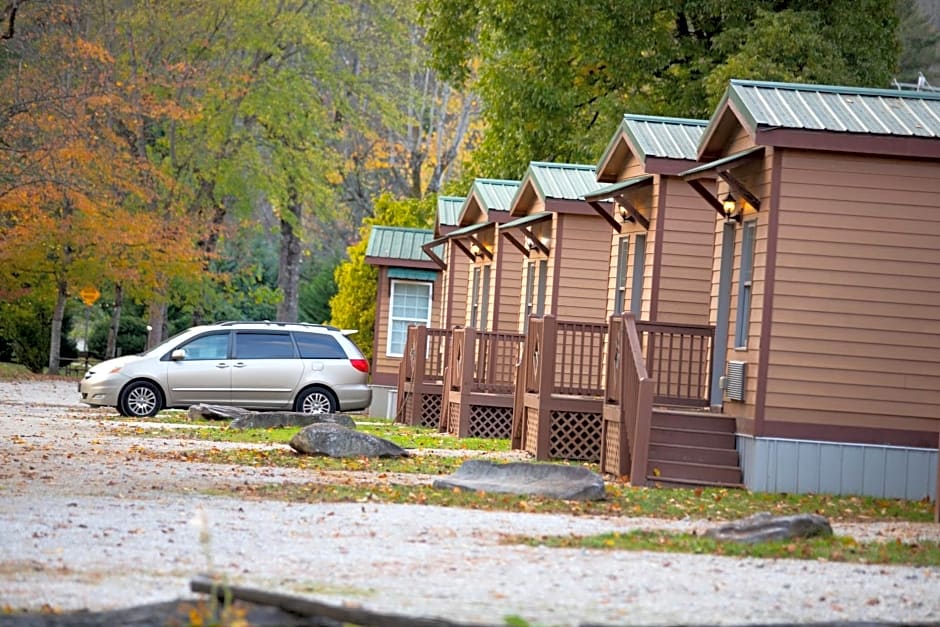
[{"x": 178, "y": 355}]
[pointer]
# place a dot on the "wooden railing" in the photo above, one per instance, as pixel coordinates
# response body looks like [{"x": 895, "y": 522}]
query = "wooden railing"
[
  {"x": 678, "y": 358},
  {"x": 628, "y": 403},
  {"x": 564, "y": 357},
  {"x": 484, "y": 361},
  {"x": 425, "y": 354}
]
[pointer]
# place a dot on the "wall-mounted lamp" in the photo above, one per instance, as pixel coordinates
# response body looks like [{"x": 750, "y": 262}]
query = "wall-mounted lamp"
[
  {"x": 529, "y": 243},
  {"x": 624, "y": 213},
  {"x": 729, "y": 205},
  {"x": 475, "y": 250}
]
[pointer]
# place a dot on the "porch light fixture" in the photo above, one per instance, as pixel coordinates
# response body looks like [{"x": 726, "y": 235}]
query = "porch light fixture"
[
  {"x": 475, "y": 250},
  {"x": 624, "y": 212},
  {"x": 729, "y": 205}
]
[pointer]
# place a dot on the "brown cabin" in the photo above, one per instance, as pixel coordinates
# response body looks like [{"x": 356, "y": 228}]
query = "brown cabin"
[
  {"x": 408, "y": 293},
  {"x": 450, "y": 259},
  {"x": 825, "y": 288}
]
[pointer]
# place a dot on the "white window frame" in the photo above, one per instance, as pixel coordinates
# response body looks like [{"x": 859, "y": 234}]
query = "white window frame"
[{"x": 409, "y": 321}]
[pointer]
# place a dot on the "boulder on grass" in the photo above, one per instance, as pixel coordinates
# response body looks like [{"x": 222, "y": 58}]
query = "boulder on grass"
[
  {"x": 556, "y": 481},
  {"x": 334, "y": 440},
  {"x": 275, "y": 419},
  {"x": 765, "y": 527}
]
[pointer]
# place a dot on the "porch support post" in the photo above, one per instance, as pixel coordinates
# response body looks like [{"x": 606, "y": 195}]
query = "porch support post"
[
  {"x": 546, "y": 385},
  {"x": 466, "y": 380}
]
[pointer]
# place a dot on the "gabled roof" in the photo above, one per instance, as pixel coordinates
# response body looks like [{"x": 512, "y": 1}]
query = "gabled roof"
[
  {"x": 652, "y": 136},
  {"x": 563, "y": 181},
  {"x": 486, "y": 196},
  {"x": 495, "y": 194},
  {"x": 397, "y": 245},
  {"x": 787, "y": 114},
  {"x": 448, "y": 209}
]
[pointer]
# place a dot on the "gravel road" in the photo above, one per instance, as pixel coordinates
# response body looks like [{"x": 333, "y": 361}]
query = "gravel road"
[{"x": 86, "y": 522}]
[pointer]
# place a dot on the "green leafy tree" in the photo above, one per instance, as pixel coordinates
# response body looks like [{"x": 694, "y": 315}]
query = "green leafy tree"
[
  {"x": 353, "y": 307},
  {"x": 556, "y": 76}
]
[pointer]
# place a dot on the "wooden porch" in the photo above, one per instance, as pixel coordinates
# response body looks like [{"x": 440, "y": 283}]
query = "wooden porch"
[
  {"x": 479, "y": 383},
  {"x": 421, "y": 376}
]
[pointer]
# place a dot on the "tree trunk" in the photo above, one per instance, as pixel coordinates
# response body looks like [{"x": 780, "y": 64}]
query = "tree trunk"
[
  {"x": 55, "y": 342},
  {"x": 288, "y": 274},
  {"x": 115, "y": 326},
  {"x": 156, "y": 324}
]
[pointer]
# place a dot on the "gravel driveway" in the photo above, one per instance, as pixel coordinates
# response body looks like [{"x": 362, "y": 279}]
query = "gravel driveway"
[{"x": 86, "y": 522}]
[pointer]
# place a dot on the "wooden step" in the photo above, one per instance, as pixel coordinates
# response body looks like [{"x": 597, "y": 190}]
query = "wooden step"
[
  {"x": 695, "y": 454},
  {"x": 692, "y": 437},
  {"x": 703, "y": 421},
  {"x": 665, "y": 470}
]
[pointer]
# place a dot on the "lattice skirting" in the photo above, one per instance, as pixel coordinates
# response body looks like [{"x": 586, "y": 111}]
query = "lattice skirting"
[
  {"x": 576, "y": 436},
  {"x": 487, "y": 421},
  {"x": 530, "y": 431},
  {"x": 611, "y": 443},
  {"x": 403, "y": 415},
  {"x": 453, "y": 418},
  {"x": 430, "y": 410}
]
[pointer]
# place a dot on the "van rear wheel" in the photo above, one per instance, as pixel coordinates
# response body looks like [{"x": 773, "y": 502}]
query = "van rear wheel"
[{"x": 316, "y": 400}]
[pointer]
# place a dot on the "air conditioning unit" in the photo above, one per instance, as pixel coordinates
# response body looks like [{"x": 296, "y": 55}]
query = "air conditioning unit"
[{"x": 734, "y": 389}]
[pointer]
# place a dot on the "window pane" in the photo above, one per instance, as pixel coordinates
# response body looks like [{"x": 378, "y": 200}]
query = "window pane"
[
  {"x": 639, "y": 267},
  {"x": 263, "y": 346},
  {"x": 213, "y": 346},
  {"x": 317, "y": 346},
  {"x": 620, "y": 287},
  {"x": 410, "y": 304},
  {"x": 744, "y": 287}
]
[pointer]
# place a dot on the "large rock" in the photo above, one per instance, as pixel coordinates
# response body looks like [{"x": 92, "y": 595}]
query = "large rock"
[
  {"x": 550, "y": 480},
  {"x": 215, "y": 412},
  {"x": 274, "y": 419},
  {"x": 765, "y": 527},
  {"x": 334, "y": 440}
]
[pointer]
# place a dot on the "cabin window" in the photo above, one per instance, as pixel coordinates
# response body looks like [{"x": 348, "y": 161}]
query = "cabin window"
[
  {"x": 535, "y": 285},
  {"x": 410, "y": 303},
  {"x": 745, "y": 284},
  {"x": 620, "y": 289},
  {"x": 485, "y": 299},
  {"x": 639, "y": 269},
  {"x": 474, "y": 296}
]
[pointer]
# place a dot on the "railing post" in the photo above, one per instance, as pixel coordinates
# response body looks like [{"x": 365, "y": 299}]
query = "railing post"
[{"x": 546, "y": 384}]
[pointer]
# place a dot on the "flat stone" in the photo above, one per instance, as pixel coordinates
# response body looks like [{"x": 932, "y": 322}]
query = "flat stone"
[
  {"x": 334, "y": 440},
  {"x": 274, "y": 419},
  {"x": 765, "y": 527},
  {"x": 557, "y": 481},
  {"x": 206, "y": 411}
]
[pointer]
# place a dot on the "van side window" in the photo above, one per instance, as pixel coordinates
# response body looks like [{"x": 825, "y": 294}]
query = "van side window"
[
  {"x": 318, "y": 346},
  {"x": 263, "y": 345},
  {"x": 212, "y": 346}
]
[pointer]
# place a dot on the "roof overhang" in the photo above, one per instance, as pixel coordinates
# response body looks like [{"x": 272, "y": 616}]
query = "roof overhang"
[
  {"x": 722, "y": 168},
  {"x": 467, "y": 239},
  {"x": 618, "y": 192},
  {"x": 524, "y": 226}
]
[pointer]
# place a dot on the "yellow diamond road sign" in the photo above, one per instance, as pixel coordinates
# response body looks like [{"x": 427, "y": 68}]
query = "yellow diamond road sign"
[{"x": 89, "y": 295}]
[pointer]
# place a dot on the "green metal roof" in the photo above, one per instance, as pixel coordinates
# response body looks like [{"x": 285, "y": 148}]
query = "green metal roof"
[
  {"x": 467, "y": 230},
  {"x": 495, "y": 194},
  {"x": 609, "y": 191},
  {"x": 393, "y": 242},
  {"x": 839, "y": 109},
  {"x": 524, "y": 220},
  {"x": 562, "y": 181},
  {"x": 448, "y": 209},
  {"x": 711, "y": 165},
  {"x": 412, "y": 274},
  {"x": 670, "y": 138}
]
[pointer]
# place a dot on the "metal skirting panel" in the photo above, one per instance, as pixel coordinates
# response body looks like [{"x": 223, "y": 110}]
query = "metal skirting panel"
[
  {"x": 384, "y": 402},
  {"x": 802, "y": 467}
]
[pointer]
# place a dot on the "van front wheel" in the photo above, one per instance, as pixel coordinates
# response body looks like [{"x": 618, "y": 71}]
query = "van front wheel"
[{"x": 140, "y": 399}]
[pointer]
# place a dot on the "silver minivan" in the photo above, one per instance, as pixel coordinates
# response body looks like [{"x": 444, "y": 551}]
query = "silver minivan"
[{"x": 256, "y": 365}]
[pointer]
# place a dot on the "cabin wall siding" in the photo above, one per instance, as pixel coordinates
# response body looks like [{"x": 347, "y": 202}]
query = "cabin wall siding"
[
  {"x": 685, "y": 272},
  {"x": 583, "y": 273},
  {"x": 454, "y": 298},
  {"x": 854, "y": 336}
]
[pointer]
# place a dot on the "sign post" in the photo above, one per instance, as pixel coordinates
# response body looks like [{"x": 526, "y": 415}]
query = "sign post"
[{"x": 90, "y": 296}]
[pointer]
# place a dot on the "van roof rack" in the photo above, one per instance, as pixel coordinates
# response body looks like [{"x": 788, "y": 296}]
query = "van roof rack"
[{"x": 279, "y": 323}]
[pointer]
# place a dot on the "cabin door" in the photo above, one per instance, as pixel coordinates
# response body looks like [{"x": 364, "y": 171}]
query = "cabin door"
[{"x": 720, "y": 344}]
